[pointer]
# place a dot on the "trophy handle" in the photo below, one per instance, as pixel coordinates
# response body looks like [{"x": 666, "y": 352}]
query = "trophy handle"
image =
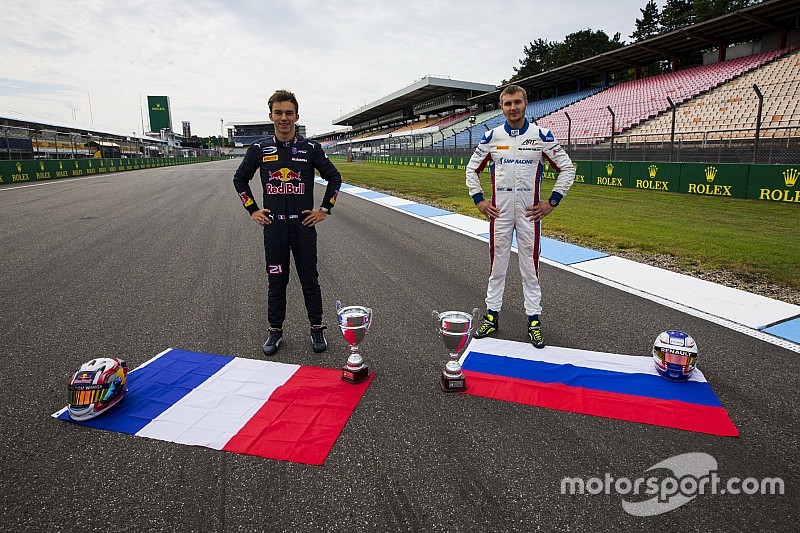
[
  {"x": 338, "y": 306},
  {"x": 369, "y": 317},
  {"x": 476, "y": 317},
  {"x": 435, "y": 316}
]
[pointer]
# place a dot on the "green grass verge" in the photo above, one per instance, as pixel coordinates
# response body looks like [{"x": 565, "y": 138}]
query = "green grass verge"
[{"x": 748, "y": 237}]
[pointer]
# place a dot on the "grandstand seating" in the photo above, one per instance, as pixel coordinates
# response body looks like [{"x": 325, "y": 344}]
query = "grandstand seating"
[
  {"x": 734, "y": 106},
  {"x": 246, "y": 140},
  {"x": 451, "y": 119},
  {"x": 418, "y": 124},
  {"x": 717, "y": 96},
  {"x": 636, "y": 101},
  {"x": 492, "y": 119}
]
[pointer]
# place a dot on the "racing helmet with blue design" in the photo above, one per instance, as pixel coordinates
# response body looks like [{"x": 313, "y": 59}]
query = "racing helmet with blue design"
[
  {"x": 675, "y": 355},
  {"x": 96, "y": 387}
]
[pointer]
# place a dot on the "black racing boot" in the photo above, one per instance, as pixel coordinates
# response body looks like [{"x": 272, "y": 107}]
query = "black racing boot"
[
  {"x": 273, "y": 342},
  {"x": 535, "y": 333},
  {"x": 489, "y": 325},
  {"x": 318, "y": 342}
]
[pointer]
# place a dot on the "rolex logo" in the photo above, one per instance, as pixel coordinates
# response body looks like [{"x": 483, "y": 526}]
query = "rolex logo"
[
  {"x": 609, "y": 169},
  {"x": 41, "y": 166},
  {"x": 19, "y": 167},
  {"x": 90, "y": 164},
  {"x": 60, "y": 165},
  {"x": 76, "y": 164},
  {"x": 652, "y": 170},
  {"x": 547, "y": 165},
  {"x": 790, "y": 176},
  {"x": 711, "y": 173}
]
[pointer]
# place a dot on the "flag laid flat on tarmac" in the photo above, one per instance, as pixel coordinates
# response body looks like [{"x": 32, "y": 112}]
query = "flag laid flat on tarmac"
[
  {"x": 594, "y": 383},
  {"x": 274, "y": 410}
]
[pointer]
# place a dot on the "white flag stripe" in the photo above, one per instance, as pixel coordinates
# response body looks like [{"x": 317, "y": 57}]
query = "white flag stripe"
[
  {"x": 611, "y": 362},
  {"x": 219, "y": 407}
]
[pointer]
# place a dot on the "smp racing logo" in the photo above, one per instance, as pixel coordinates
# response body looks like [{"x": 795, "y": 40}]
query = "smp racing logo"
[{"x": 289, "y": 182}]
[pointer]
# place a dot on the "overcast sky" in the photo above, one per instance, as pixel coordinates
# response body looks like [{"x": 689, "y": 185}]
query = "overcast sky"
[{"x": 98, "y": 60}]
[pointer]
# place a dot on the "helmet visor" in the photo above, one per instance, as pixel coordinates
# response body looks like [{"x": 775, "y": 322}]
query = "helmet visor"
[
  {"x": 83, "y": 395},
  {"x": 677, "y": 358}
]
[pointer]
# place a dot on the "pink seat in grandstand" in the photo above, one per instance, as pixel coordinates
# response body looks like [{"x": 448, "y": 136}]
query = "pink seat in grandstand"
[{"x": 639, "y": 100}]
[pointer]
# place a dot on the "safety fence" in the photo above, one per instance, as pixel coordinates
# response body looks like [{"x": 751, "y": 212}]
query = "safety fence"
[
  {"x": 772, "y": 183},
  {"x": 44, "y": 169}
]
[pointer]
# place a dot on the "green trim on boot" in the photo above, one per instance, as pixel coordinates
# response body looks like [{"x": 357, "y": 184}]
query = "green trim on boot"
[
  {"x": 488, "y": 326},
  {"x": 535, "y": 334}
]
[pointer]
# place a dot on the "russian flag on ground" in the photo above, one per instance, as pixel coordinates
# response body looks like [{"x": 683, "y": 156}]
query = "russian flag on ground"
[
  {"x": 593, "y": 383},
  {"x": 274, "y": 410}
]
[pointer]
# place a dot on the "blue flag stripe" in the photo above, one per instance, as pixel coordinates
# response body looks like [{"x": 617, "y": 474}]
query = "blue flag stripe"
[
  {"x": 650, "y": 386},
  {"x": 154, "y": 388}
]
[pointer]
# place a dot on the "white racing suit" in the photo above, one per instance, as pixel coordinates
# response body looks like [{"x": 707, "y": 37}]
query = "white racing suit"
[{"x": 516, "y": 159}]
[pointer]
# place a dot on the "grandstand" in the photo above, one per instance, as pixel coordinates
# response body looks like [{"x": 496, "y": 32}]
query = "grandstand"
[
  {"x": 29, "y": 136},
  {"x": 714, "y": 104},
  {"x": 731, "y": 110},
  {"x": 636, "y": 101}
]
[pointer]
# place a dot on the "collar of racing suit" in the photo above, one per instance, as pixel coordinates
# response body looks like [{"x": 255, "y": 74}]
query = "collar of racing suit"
[
  {"x": 285, "y": 144},
  {"x": 520, "y": 131}
]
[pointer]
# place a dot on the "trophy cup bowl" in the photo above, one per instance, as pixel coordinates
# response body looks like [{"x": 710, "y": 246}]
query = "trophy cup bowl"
[
  {"x": 455, "y": 329},
  {"x": 354, "y": 321}
]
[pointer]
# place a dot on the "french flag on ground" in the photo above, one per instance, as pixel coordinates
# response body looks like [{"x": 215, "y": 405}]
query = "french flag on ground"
[
  {"x": 616, "y": 386},
  {"x": 273, "y": 410}
]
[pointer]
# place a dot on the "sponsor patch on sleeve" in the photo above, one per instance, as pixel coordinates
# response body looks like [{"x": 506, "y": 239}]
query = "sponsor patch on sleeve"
[{"x": 246, "y": 200}]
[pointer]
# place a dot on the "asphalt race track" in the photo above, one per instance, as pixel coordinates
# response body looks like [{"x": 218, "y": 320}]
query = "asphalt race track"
[{"x": 133, "y": 263}]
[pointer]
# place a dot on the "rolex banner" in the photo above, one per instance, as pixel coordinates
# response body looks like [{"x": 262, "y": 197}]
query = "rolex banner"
[
  {"x": 766, "y": 183},
  {"x": 159, "y": 113},
  {"x": 774, "y": 183},
  {"x": 615, "y": 174},
  {"x": 655, "y": 176},
  {"x": 723, "y": 180}
]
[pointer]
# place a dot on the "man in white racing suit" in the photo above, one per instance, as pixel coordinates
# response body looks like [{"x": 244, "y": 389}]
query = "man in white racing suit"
[{"x": 516, "y": 153}]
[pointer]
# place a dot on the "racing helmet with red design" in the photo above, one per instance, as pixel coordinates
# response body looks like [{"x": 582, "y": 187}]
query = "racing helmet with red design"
[
  {"x": 96, "y": 387},
  {"x": 675, "y": 355}
]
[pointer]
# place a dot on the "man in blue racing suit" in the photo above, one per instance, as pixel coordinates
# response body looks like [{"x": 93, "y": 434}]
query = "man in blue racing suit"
[
  {"x": 287, "y": 162},
  {"x": 516, "y": 152}
]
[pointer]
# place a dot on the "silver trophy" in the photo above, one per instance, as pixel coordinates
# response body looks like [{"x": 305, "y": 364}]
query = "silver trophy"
[
  {"x": 455, "y": 328},
  {"x": 354, "y": 321}
]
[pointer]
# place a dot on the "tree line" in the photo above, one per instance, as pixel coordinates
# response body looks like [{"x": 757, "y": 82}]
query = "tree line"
[{"x": 542, "y": 55}]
